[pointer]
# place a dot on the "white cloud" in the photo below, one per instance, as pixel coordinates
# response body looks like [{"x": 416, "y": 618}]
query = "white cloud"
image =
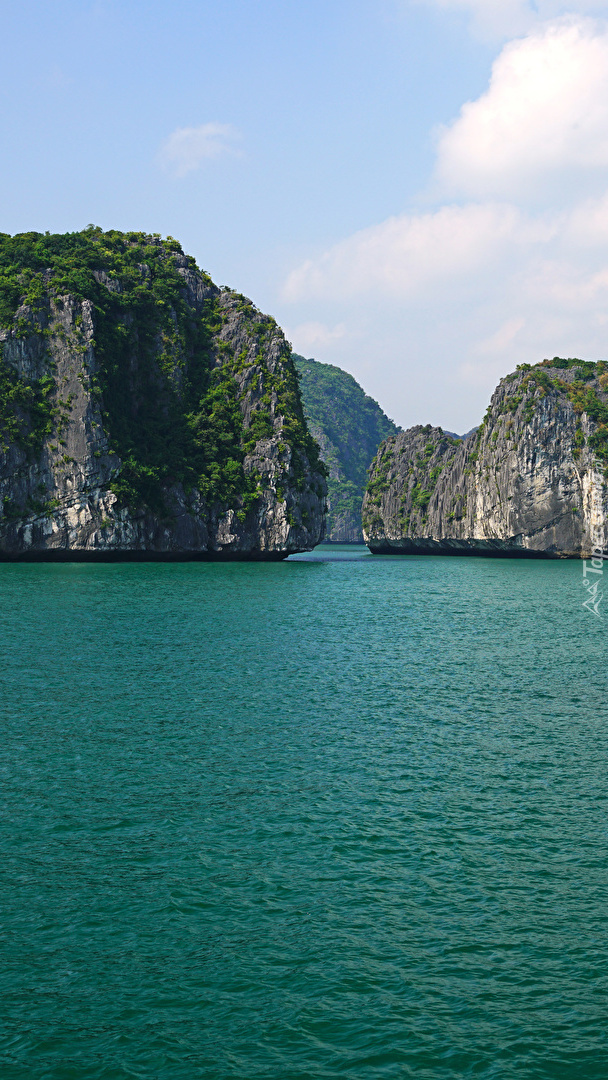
[
  {"x": 438, "y": 304},
  {"x": 186, "y": 149},
  {"x": 587, "y": 223},
  {"x": 542, "y": 123},
  {"x": 447, "y": 302}
]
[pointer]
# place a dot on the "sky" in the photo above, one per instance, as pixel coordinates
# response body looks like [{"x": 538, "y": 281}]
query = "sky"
[{"x": 417, "y": 190}]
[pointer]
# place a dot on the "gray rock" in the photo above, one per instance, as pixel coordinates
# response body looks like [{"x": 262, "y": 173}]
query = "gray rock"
[
  {"x": 528, "y": 482},
  {"x": 59, "y": 503}
]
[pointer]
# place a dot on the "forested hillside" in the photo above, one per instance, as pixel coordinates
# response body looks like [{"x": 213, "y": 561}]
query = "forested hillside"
[{"x": 348, "y": 426}]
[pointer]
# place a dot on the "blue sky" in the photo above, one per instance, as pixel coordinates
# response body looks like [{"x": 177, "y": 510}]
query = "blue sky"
[{"x": 322, "y": 158}]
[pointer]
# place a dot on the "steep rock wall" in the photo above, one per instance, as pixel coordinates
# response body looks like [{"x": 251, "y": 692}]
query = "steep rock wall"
[
  {"x": 529, "y": 482},
  {"x": 182, "y": 444}
]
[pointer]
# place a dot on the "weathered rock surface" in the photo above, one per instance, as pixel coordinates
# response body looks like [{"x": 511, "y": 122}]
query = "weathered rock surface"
[
  {"x": 529, "y": 482},
  {"x": 60, "y": 491}
]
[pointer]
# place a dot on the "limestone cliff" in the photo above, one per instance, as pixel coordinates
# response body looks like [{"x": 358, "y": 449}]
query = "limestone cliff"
[
  {"x": 348, "y": 426},
  {"x": 144, "y": 412},
  {"x": 529, "y": 482}
]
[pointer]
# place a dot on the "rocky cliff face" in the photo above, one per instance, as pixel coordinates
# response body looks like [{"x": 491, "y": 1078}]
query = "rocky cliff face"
[
  {"x": 145, "y": 413},
  {"x": 530, "y": 481},
  {"x": 348, "y": 426}
]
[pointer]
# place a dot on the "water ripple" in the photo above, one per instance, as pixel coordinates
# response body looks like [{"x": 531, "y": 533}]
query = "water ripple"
[{"x": 339, "y": 817}]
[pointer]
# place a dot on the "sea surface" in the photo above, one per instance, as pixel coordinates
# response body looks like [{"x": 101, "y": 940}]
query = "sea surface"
[{"x": 343, "y": 816}]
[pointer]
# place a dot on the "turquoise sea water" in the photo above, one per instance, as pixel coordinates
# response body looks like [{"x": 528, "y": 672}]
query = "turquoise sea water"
[{"x": 339, "y": 817}]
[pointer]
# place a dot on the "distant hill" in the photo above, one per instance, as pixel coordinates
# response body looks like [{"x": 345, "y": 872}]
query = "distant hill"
[
  {"x": 453, "y": 434},
  {"x": 349, "y": 427}
]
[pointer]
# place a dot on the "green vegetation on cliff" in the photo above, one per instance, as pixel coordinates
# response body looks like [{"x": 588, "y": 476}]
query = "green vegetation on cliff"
[
  {"x": 27, "y": 415},
  {"x": 349, "y": 426},
  {"x": 583, "y": 397},
  {"x": 171, "y": 413},
  {"x": 528, "y": 482}
]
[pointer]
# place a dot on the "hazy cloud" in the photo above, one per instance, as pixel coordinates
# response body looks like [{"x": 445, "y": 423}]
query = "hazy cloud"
[
  {"x": 314, "y": 335},
  {"x": 406, "y": 255},
  {"x": 187, "y": 149},
  {"x": 510, "y": 18}
]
